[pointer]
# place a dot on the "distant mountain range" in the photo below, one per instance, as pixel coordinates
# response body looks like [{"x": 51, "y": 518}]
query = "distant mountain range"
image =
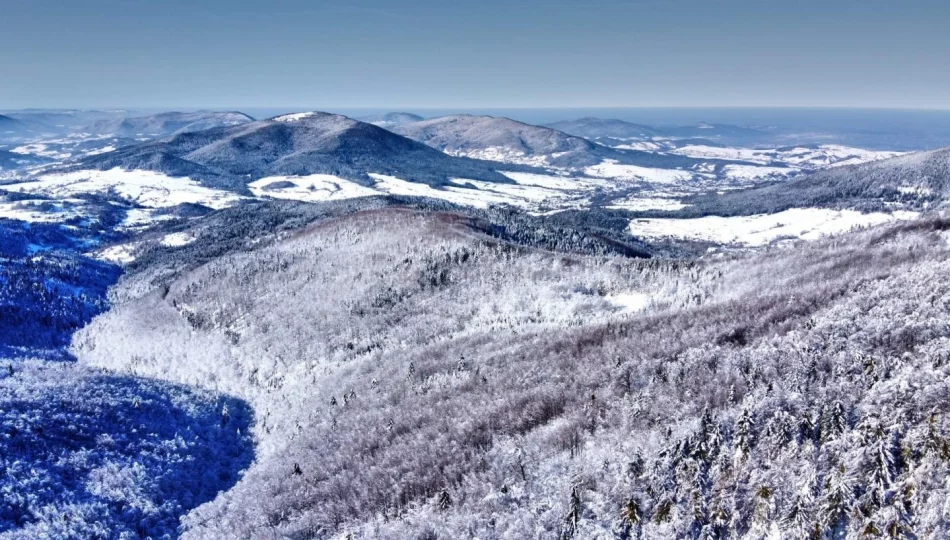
[
  {"x": 615, "y": 132},
  {"x": 295, "y": 144},
  {"x": 11, "y": 126},
  {"x": 169, "y": 123},
  {"x": 390, "y": 119},
  {"x": 594, "y": 128},
  {"x": 503, "y": 139}
]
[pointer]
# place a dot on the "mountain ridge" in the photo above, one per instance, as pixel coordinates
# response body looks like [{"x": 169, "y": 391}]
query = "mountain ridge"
[{"x": 296, "y": 145}]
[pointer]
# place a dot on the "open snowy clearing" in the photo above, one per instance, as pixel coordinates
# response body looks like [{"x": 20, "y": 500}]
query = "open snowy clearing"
[
  {"x": 638, "y": 204},
  {"x": 629, "y": 301},
  {"x": 177, "y": 239},
  {"x": 41, "y": 210},
  {"x": 530, "y": 191},
  {"x": 759, "y": 230},
  {"x": 611, "y": 169},
  {"x": 117, "y": 254},
  {"x": 753, "y": 172},
  {"x": 311, "y": 188},
  {"x": 507, "y": 155},
  {"x": 145, "y": 188}
]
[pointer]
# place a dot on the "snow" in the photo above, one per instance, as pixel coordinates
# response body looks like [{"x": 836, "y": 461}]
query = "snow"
[
  {"x": 922, "y": 191},
  {"x": 629, "y": 301},
  {"x": 762, "y": 229},
  {"x": 177, "y": 239},
  {"x": 529, "y": 191},
  {"x": 40, "y": 210},
  {"x": 118, "y": 254},
  {"x": 753, "y": 172},
  {"x": 646, "y": 203},
  {"x": 732, "y": 153},
  {"x": 103, "y": 150},
  {"x": 611, "y": 169},
  {"x": 643, "y": 146},
  {"x": 145, "y": 188},
  {"x": 294, "y": 117},
  {"x": 507, "y": 155},
  {"x": 468, "y": 197},
  {"x": 311, "y": 188},
  {"x": 40, "y": 149},
  {"x": 564, "y": 183},
  {"x": 825, "y": 155},
  {"x": 532, "y": 192},
  {"x": 142, "y": 217}
]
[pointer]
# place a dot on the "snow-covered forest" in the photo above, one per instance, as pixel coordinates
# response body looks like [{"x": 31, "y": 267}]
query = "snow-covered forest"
[{"x": 412, "y": 377}]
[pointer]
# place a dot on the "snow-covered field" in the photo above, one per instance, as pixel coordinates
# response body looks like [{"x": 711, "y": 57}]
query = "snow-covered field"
[
  {"x": 145, "y": 188},
  {"x": 754, "y": 172},
  {"x": 530, "y": 191},
  {"x": 118, "y": 254},
  {"x": 507, "y": 155},
  {"x": 177, "y": 239},
  {"x": 806, "y": 158},
  {"x": 636, "y": 204},
  {"x": 312, "y": 188},
  {"x": 611, "y": 169},
  {"x": 41, "y": 210},
  {"x": 760, "y": 230}
]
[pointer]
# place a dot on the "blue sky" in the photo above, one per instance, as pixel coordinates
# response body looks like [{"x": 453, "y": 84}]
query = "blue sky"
[{"x": 487, "y": 53}]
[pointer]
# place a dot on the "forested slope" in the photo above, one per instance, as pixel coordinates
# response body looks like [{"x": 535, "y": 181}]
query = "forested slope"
[{"x": 414, "y": 378}]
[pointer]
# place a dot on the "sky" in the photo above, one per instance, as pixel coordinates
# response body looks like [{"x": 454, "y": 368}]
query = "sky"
[{"x": 474, "y": 54}]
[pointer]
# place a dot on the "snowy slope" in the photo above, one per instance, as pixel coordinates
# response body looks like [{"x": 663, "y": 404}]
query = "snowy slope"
[
  {"x": 145, "y": 188},
  {"x": 762, "y": 229}
]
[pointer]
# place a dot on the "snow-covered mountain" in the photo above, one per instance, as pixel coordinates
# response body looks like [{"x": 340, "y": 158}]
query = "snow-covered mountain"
[
  {"x": 510, "y": 141},
  {"x": 501, "y": 139},
  {"x": 295, "y": 144}
]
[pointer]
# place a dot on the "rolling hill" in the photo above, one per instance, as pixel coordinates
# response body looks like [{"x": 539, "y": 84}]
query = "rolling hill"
[
  {"x": 168, "y": 123},
  {"x": 295, "y": 144},
  {"x": 510, "y": 141}
]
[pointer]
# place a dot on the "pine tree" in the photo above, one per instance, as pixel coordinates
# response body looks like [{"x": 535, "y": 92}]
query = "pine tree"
[
  {"x": 573, "y": 514},
  {"x": 833, "y": 421},
  {"x": 745, "y": 427},
  {"x": 935, "y": 443},
  {"x": 631, "y": 518},
  {"x": 445, "y": 500},
  {"x": 837, "y": 501},
  {"x": 808, "y": 428}
]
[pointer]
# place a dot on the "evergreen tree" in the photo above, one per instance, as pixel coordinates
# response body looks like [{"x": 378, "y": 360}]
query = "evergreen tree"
[
  {"x": 745, "y": 433},
  {"x": 573, "y": 518},
  {"x": 836, "y": 503}
]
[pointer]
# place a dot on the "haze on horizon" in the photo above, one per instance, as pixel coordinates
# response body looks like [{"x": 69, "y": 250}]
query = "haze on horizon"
[{"x": 437, "y": 54}]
